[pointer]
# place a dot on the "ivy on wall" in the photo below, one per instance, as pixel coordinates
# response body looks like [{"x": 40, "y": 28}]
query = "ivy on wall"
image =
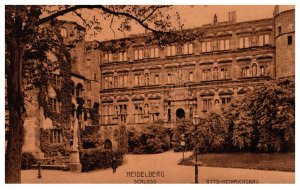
[{"x": 60, "y": 120}]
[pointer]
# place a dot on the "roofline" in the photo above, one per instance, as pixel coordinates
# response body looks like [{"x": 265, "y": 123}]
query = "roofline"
[{"x": 195, "y": 28}]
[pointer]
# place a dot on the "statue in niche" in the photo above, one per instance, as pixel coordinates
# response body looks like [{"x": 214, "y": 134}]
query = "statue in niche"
[
  {"x": 215, "y": 19},
  {"x": 254, "y": 41},
  {"x": 215, "y": 45}
]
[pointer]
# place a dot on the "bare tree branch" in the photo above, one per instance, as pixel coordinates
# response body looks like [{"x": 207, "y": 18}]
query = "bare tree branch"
[
  {"x": 79, "y": 15},
  {"x": 105, "y": 9},
  {"x": 155, "y": 8},
  {"x": 111, "y": 22}
]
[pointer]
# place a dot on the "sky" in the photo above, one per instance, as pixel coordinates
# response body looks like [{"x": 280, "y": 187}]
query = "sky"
[{"x": 193, "y": 16}]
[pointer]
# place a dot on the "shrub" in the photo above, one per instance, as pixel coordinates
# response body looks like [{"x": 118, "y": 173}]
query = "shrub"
[
  {"x": 92, "y": 159},
  {"x": 148, "y": 139},
  {"x": 27, "y": 160}
]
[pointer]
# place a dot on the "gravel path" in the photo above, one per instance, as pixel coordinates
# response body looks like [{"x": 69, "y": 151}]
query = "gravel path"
[{"x": 160, "y": 168}]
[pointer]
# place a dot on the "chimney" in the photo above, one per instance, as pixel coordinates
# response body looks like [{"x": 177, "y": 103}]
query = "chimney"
[
  {"x": 232, "y": 16},
  {"x": 276, "y": 11}
]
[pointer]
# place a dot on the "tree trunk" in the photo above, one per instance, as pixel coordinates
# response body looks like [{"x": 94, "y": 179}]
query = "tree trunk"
[{"x": 17, "y": 114}]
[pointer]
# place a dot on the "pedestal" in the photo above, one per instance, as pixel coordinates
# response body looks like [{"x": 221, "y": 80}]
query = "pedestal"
[{"x": 75, "y": 165}]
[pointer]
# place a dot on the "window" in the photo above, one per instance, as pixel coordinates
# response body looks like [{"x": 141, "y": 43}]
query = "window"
[
  {"x": 279, "y": 30},
  {"x": 187, "y": 48},
  {"x": 107, "y": 114},
  {"x": 264, "y": 39},
  {"x": 138, "y": 114},
  {"x": 227, "y": 47},
  {"x": 263, "y": 70},
  {"x": 171, "y": 50},
  {"x": 54, "y": 105},
  {"x": 223, "y": 73},
  {"x": 244, "y": 42},
  {"x": 108, "y": 57},
  {"x": 156, "y": 79},
  {"x": 169, "y": 78},
  {"x": 55, "y": 136},
  {"x": 245, "y": 72},
  {"x": 95, "y": 76},
  {"x": 225, "y": 101},
  {"x": 123, "y": 80},
  {"x": 169, "y": 115},
  {"x": 137, "y": 80},
  {"x": 191, "y": 76},
  {"x": 123, "y": 56},
  {"x": 88, "y": 61},
  {"x": 55, "y": 79},
  {"x": 206, "y": 74},
  {"x": 154, "y": 52},
  {"x": 206, "y": 46},
  {"x": 108, "y": 82},
  {"x": 207, "y": 104},
  {"x": 138, "y": 54},
  {"x": 290, "y": 40},
  {"x": 88, "y": 103},
  {"x": 224, "y": 45}
]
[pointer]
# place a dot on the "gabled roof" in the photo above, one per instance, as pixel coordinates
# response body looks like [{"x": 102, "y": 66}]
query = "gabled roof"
[
  {"x": 154, "y": 97},
  {"x": 225, "y": 92},
  {"x": 243, "y": 90},
  {"x": 138, "y": 98},
  {"x": 122, "y": 99},
  {"x": 207, "y": 93},
  {"x": 107, "y": 100}
]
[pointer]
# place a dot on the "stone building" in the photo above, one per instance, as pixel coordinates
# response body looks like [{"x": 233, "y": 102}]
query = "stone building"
[{"x": 144, "y": 83}]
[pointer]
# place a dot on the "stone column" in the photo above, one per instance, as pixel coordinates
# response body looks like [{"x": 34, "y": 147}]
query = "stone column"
[{"x": 75, "y": 165}]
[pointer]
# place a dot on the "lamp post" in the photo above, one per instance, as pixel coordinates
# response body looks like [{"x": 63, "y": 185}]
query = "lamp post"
[
  {"x": 196, "y": 123},
  {"x": 182, "y": 143}
]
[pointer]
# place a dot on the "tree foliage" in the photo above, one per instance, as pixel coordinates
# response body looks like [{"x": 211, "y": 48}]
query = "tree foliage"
[
  {"x": 264, "y": 119},
  {"x": 210, "y": 134},
  {"x": 152, "y": 138}
]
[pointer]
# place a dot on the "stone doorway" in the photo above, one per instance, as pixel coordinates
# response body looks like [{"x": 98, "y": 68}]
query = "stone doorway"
[{"x": 180, "y": 113}]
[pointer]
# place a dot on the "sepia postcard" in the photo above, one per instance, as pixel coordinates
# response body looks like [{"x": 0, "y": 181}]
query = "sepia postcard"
[{"x": 150, "y": 94}]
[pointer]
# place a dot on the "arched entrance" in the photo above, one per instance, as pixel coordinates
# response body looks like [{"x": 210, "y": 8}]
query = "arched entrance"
[
  {"x": 107, "y": 144},
  {"x": 180, "y": 113}
]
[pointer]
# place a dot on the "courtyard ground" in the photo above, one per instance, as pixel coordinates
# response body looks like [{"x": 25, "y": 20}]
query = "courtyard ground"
[{"x": 160, "y": 168}]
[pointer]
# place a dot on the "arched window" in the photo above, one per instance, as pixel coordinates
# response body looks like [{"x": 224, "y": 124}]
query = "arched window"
[
  {"x": 64, "y": 32},
  {"x": 254, "y": 69},
  {"x": 191, "y": 76},
  {"x": 79, "y": 89},
  {"x": 107, "y": 144}
]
